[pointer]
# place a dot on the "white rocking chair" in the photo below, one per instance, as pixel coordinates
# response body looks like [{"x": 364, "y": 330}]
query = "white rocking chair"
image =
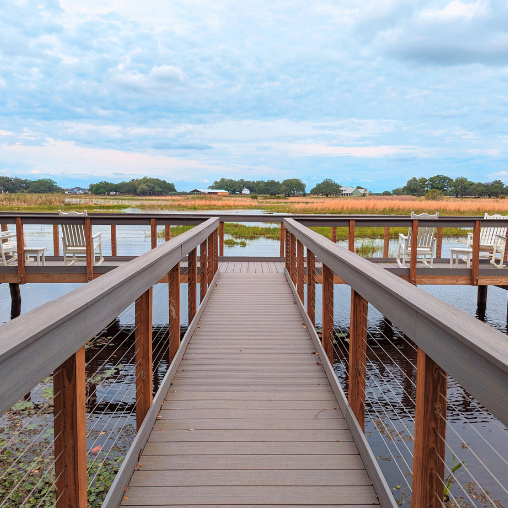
[
  {"x": 8, "y": 247},
  {"x": 492, "y": 241},
  {"x": 74, "y": 241},
  {"x": 426, "y": 242}
]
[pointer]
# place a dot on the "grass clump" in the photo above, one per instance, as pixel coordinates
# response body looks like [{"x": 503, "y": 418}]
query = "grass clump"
[{"x": 231, "y": 242}]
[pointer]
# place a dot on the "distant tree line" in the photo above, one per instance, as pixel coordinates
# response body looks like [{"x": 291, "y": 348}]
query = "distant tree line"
[
  {"x": 447, "y": 186},
  {"x": 289, "y": 187},
  {"x": 138, "y": 186},
  {"x": 41, "y": 186}
]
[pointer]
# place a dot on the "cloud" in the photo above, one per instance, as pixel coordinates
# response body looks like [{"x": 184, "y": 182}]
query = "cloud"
[
  {"x": 352, "y": 151},
  {"x": 500, "y": 175},
  {"x": 159, "y": 78},
  {"x": 181, "y": 146},
  {"x": 455, "y": 11},
  {"x": 5, "y": 133},
  {"x": 485, "y": 151}
]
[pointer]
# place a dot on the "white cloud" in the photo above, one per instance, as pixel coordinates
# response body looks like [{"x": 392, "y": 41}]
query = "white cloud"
[
  {"x": 456, "y": 10},
  {"x": 159, "y": 78},
  {"x": 485, "y": 151},
  {"x": 352, "y": 151},
  {"x": 5, "y": 133}
]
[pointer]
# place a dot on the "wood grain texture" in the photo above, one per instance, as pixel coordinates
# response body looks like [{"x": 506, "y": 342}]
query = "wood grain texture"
[
  {"x": 292, "y": 256},
  {"x": 334, "y": 234},
  {"x": 174, "y": 311},
  {"x": 221, "y": 239},
  {"x": 351, "y": 240},
  {"x": 167, "y": 232},
  {"x": 70, "y": 432},
  {"x": 327, "y": 320},
  {"x": 56, "y": 239},
  {"x": 203, "y": 270},
  {"x": 192, "y": 282},
  {"x": 439, "y": 242},
  {"x": 113, "y": 240},
  {"x": 299, "y": 269},
  {"x": 153, "y": 233},
  {"x": 311, "y": 286},
  {"x": 20, "y": 246},
  {"x": 282, "y": 239},
  {"x": 386, "y": 242}
]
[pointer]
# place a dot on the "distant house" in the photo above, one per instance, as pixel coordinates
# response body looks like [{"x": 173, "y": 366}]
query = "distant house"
[
  {"x": 245, "y": 191},
  {"x": 76, "y": 190},
  {"x": 352, "y": 191},
  {"x": 212, "y": 192}
]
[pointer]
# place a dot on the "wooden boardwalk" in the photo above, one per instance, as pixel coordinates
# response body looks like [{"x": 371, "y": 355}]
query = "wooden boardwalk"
[{"x": 250, "y": 418}]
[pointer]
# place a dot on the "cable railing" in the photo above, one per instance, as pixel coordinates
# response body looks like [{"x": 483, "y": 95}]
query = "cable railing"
[
  {"x": 411, "y": 366},
  {"x": 82, "y": 376}
]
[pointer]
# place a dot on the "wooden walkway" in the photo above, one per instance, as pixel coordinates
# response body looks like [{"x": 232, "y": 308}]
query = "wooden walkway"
[{"x": 250, "y": 418}]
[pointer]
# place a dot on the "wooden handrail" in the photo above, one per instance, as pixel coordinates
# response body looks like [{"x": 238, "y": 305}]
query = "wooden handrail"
[
  {"x": 48, "y": 335},
  {"x": 473, "y": 353}
]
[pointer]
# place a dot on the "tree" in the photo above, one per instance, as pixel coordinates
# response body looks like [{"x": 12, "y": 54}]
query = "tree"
[
  {"x": 387, "y": 193},
  {"x": 416, "y": 186},
  {"x": 495, "y": 188},
  {"x": 43, "y": 186},
  {"x": 434, "y": 195},
  {"x": 440, "y": 182},
  {"x": 327, "y": 187},
  {"x": 460, "y": 185},
  {"x": 143, "y": 190},
  {"x": 398, "y": 191},
  {"x": 294, "y": 186}
]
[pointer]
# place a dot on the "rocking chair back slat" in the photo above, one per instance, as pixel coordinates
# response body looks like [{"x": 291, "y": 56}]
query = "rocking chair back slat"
[
  {"x": 425, "y": 234},
  {"x": 488, "y": 234}
]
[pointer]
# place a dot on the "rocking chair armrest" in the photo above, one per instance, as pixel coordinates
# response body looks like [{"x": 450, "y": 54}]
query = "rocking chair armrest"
[
  {"x": 401, "y": 236},
  {"x": 97, "y": 235},
  {"x": 501, "y": 237}
]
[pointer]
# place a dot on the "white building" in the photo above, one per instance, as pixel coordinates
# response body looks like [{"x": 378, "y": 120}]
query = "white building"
[
  {"x": 353, "y": 191},
  {"x": 245, "y": 191}
]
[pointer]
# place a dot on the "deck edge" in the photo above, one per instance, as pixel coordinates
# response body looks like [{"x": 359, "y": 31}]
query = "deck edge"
[
  {"x": 381, "y": 488},
  {"x": 122, "y": 478}
]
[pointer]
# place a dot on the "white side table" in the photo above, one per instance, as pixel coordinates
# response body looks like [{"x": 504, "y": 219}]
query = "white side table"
[
  {"x": 460, "y": 251},
  {"x": 38, "y": 253}
]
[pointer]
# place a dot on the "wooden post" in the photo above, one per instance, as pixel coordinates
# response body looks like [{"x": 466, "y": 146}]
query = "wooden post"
[
  {"x": 475, "y": 261},
  {"x": 89, "y": 250},
  {"x": 327, "y": 333},
  {"x": 358, "y": 356},
  {"x": 4, "y": 228},
  {"x": 439, "y": 242},
  {"x": 430, "y": 431},
  {"x": 174, "y": 310},
  {"x": 70, "y": 432},
  {"x": 20, "y": 246},
  {"x": 299, "y": 269},
  {"x": 351, "y": 243},
  {"x": 311, "y": 286},
  {"x": 210, "y": 258},
  {"x": 414, "y": 247},
  {"x": 482, "y": 295},
  {"x": 56, "y": 241},
  {"x": 282, "y": 239},
  {"x": 386, "y": 242},
  {"x": 221, "y": 239},
  {"x": 203, "y": 270},
  {"x": 215, "y": 252},
  {"x": 192, "y": 280},
  {"x": 153, "y": 232},
  {"x": 167, "y": 232},
  {"x": 143, "y": 358},
  {"x": 113, "y": 240},
  {"x": 288, "y": 251},
  {"x": 334, "y": 235},
  {"x": 293, "y": 259},
  {"x": 15, "y": 299}
]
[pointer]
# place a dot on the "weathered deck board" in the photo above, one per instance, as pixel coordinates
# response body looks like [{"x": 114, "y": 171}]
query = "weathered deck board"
[{"x": 250, "y": 418}]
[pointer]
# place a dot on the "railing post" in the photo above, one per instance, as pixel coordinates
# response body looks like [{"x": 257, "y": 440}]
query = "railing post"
[
  {"x": 475, "y": 261},
  {"x": 113, "y": 240},
  {"x": 293, "y": 259},
  {"x": 414, "y": 252},
  {"x": 56, "y": 241},
  {"x": 210, "y": 258},
  {"x": 153, "y": 232},
  {"x": 386, "y": 242},
  {"x": 4, "y": 228},
  {"x": 89, "y": 249},
  {"x": 221, "y": 239},
  {"x": 334, "y": 235},
  {"x": 20, "y": 247},
  {"x": 288, "y": 251},
  {"x": 430, "y": 432},
  {"x": 167, "y": 232},
  {"x": 192, "y": 280},
  {"x": 282, "y": 239},
  {"x": 351, "y": 242},
  {"x": 215, "y": 253},
  {"x": 439, "y": 242},
  {"x": 174, "y": 310},
  {"x": 358, "y": 356},
  {"x": 299, "y": 269},
  {"x": 327, "y": 333},
  {"x": 143, "y": 355},
  {"x": 70, "y": 432},
  {"x": 203, "y": 270},
  {"x": 311, "y": 286}
]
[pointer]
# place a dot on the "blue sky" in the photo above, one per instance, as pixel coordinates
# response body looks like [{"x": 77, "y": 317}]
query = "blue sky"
[{"x": 366, "y": 92}]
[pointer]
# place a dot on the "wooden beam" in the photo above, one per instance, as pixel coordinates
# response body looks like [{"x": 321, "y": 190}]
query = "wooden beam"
[
  {"x": 56, "y": 240},
  {"x": 153, "y": 232},
  {"x": 299, "y": 269},
  {"x": 414, "y": 247},
  {"x": 430, "y": 432},
  {"x": 334, "y": 234},
  {"x": 215, "y": 252},
  {"x": 4, "y": 228},
  {"x": 210, "y": 258},
  {"x": 89, "y": 250},
  {"x": 475, "y": 260},
  {"x": 20, "y": 247},
  {"x": 203, "y": 270},
  {"x": 386, "y": 242},
  {"x": 293, "y": 259},
  {"x": 282, "y": 239},
  {"x": 174, "y": 310},
  {"x": 311, "y": 286},
  {"x": 327, "y": 333},
  {"x": 358, "y": 356},
  {"x": 351, "y": 241},
  {"x": 482, "y": 295},
  {"x": 288, "y": 251},
  {"x": 143, "y": 356},
  {"x": 221, "y": 239},
  {"x": 70, "y": 432},
  {"x": 192, "y": 271},
  {"x": 439, "y": 242},
  {"x": 113, "y": 240},
  {"x": 167, "y": 232}
]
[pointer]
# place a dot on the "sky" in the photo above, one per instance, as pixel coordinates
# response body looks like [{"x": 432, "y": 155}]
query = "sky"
[{"x": 365, "y": 92}]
